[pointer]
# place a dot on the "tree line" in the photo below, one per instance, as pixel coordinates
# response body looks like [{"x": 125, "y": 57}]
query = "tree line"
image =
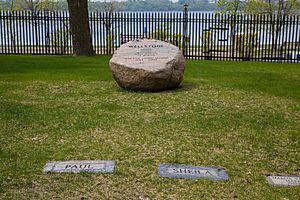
[{"x": 129, "y": 5}]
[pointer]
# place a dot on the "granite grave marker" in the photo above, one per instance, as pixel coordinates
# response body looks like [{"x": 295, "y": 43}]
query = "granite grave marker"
[
  {"x": 96, "y": 166},
  {"x": 284, "y": 180},
  {"x": 148, "y": 65},
  {"x": 189, "y": 171}
]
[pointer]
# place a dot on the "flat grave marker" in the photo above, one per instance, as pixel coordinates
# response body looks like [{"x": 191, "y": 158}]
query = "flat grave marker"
[
  {"x": 284, "y": 180},
  {"x": 76, "y": 166},
  {"x": 190, "y": 171}
]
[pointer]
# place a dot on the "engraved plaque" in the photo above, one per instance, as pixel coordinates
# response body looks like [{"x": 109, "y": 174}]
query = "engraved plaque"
[
  {"x": 96, "y": 166},
  {"x": 285, "y": 180},
  {"x": 189, "y": 171}
]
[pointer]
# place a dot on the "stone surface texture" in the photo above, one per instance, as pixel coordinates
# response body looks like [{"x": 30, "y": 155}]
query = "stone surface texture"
[
  {"x": 148, "y": 65},
  {"x": 190, "y": 171},
  {"x": 284, "y": 180},
  {"x": 76, "y": 166}
]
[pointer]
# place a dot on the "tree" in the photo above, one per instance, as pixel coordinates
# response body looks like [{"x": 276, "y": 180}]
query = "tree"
[
  {"x": 108, "y": 8},
  {"x": 79, "y": 21},
  {"x": 277, "y": 11},
  {"x": 232, "y": 7}
]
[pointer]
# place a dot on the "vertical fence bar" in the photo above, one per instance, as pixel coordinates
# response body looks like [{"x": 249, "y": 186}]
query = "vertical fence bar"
[
  {"x": 106, "y": 33},
  {"x": 197, "y": 50},
  {"x": 68, "y": 35},
  {"x": 43, "y": 28},
  {"x": 35, "y": 27},
  {"x": 143, "y": 25},
  {"x": 19, "y": 32},
  {"x": 179, "y": 36},
  {"x": 96, "y": 41},
  {"x": 289, "y": 24},
  {"x": 213, "y": 29},
  {"x": 294, "y": 42},
  {"x": 115, "y": 32},
  {"x": 1, "y": 30},
  {"x": 93, "y": 30},
  {"x": 46, "y": 28},
  {"x": 251, "y": 39},
  {"x": 113, "y": 27},
  {"x": 226, "y": 36},
  {"x": 241, "y": 37},
  {"x": 42, "y": 31},
  {"x": 11, "y": 31},
  {"x": 298, "y": 39},
  {"x": 297, "y": 47},
  {"x": 264, "y": 28},
  {"x": 285, "y": 33},
  {"x": 61, "y": 32},
  {"x": 120, "y": 23},
  {"x": 5, "y": 25},
  {"x": 100, "y": 31},
  {"x": 190, "y": 38},
  {"x": 280, "y": 31},
  {"x": 52, "y": 32},
  {"x": 56, "y": 33},
  {"x": 211, "y": 43},
  {"x": 185, "y": 27},
  {"x": 165, "y": 26},
  {"x": 26, "y": 33},
  {"x": 270, "y": 42},
  {"x": 255, "y": 35},
  {"x": 6, "y": 32},
  {"x": 37, "y": 39},
  {"x": 126, "y": 27}
]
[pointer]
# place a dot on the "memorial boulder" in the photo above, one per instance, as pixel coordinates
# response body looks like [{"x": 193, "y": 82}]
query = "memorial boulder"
[{"x": 148, "y": 65}]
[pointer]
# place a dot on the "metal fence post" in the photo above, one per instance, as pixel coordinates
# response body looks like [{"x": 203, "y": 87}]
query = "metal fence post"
[
  {"x": 185, "y": 27},
  {"x": 47, "y": 42}
]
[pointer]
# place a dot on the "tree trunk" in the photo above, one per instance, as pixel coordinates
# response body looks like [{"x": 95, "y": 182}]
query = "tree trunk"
[{"x": 79, "y": 22}]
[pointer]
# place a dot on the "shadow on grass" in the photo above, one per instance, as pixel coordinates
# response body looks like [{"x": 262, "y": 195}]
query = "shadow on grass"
[{"x": 186, "y": 86}]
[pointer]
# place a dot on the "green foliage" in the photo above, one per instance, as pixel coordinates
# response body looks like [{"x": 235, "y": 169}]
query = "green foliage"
[
  {"x": 161, "y": 33},
  {"x": 287, "y": 7},
  {"x": 34, "y": 6},
  {"x": 230, "y": 6},
  {"x": 207, "y": 40},
  {"x": 111, "y": 40},
  {"x": 246, "y": 44},
  {"x": 176, "y": 39},
  {"x": 59, "y": 40}
]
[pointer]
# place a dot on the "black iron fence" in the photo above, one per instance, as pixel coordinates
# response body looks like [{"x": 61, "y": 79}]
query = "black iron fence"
[{"x": 200, "y": 35}]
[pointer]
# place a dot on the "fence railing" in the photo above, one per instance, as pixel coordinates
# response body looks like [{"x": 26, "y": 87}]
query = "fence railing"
[{"x": 200, "y": 35}]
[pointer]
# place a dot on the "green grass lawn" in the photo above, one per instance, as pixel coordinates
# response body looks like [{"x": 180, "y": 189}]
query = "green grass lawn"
[{"x": 243, "y": 116}]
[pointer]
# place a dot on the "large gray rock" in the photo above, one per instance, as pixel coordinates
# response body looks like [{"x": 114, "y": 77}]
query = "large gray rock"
[{"x": 148, "y": 65}]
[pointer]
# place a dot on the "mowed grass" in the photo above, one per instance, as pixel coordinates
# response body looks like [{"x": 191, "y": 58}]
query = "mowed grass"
[{"x": 243, "y": 116}]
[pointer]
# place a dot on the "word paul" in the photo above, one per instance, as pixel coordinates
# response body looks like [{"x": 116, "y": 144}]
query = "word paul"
[{"x": 96, "y": 166}]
